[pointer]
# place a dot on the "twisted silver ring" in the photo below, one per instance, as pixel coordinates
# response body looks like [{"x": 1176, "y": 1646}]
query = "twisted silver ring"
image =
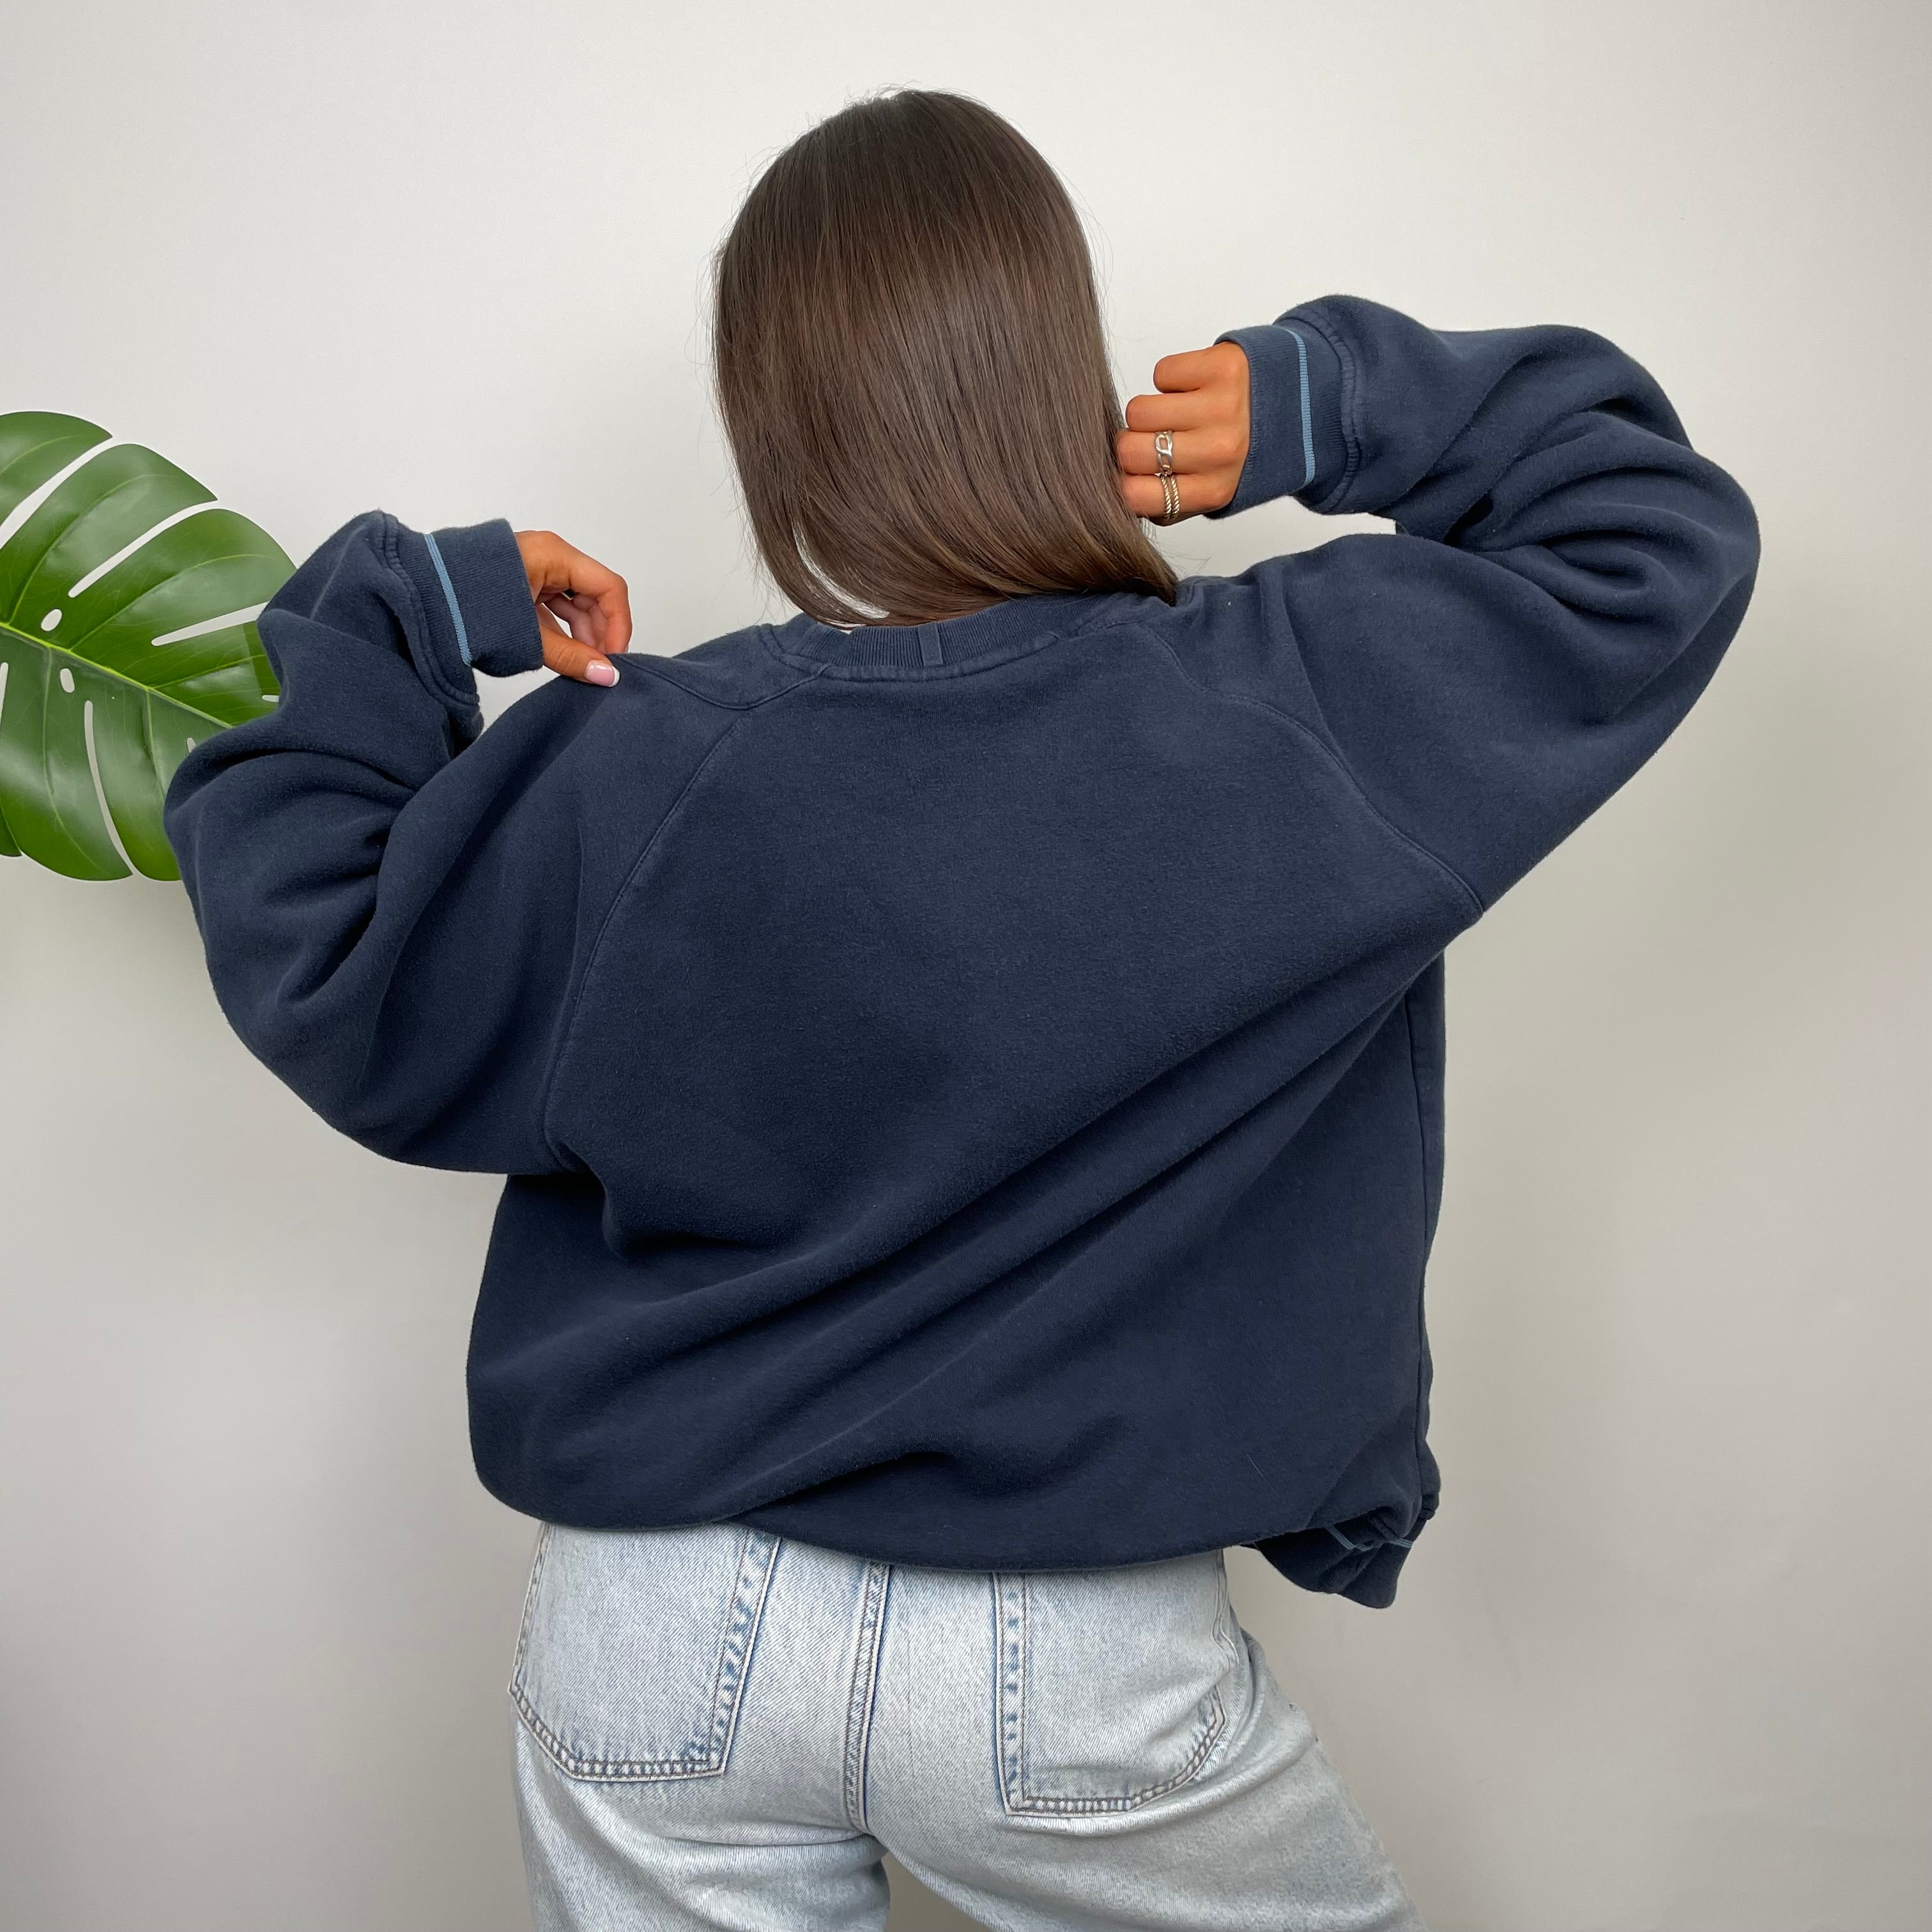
[
  {"x": 1170, "y": 497},
  {"x": 1163, "y": 452}
]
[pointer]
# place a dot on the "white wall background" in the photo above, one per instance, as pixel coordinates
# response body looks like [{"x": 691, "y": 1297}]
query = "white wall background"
[{"x": 1660, "y": 1665}]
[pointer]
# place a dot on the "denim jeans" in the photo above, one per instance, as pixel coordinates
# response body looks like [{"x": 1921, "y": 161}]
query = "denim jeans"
[{"x": 717, "y": 1727}]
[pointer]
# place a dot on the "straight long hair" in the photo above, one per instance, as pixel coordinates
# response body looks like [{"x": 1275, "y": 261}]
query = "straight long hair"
[{"x": 912, "y": 373}]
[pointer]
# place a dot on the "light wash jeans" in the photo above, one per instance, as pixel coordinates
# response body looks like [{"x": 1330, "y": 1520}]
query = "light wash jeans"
[{"x": 717, "y": 1727}]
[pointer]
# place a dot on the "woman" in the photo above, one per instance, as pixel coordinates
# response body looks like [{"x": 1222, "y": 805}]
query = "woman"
[{"x": 968, "y": 1060}]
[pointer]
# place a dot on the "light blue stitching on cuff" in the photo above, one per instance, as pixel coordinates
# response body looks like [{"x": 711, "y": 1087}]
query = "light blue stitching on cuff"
[
  {"x": 1307, "y": 431},
  {"x": 1400, "y": 1542},
  {"x": 449, "y": 588}
]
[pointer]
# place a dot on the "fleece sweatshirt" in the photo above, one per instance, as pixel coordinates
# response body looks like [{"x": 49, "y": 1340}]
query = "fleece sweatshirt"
[{"x": 970, "y": 1094}]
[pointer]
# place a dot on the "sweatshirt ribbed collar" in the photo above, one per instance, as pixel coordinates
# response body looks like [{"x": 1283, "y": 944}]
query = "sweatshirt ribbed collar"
[{"x": 935, "y": 649}]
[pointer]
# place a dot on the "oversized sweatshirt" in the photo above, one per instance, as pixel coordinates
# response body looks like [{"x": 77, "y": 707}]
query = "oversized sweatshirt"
[{"x": 971, "y": 1094}]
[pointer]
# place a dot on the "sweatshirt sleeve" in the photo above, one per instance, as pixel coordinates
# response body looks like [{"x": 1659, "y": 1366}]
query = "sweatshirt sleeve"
[
  {"x": 1565, "y": 573},
  {"x": 390, "y": 902}
]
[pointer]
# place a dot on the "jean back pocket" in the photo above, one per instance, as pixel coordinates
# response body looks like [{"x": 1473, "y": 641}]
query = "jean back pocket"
[
  {"x": 635, "y": 1646},
  {"x": 1114, "y": 1685}
]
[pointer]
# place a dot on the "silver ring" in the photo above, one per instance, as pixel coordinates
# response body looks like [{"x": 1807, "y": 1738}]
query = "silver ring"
[
  {"x": 1170, "y": 497},
  {"x": 1163, "y": 452}
]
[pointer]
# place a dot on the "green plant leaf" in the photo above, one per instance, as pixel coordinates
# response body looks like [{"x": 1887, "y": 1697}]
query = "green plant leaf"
[{"x": 128, "y": 602}]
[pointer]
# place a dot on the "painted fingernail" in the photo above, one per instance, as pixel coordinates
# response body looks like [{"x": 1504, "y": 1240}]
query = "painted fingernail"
[{"x": 601, "y": 673}]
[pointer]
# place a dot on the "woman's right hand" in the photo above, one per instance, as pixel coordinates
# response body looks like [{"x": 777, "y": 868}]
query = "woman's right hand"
[{"x": 1203, "y": 402}]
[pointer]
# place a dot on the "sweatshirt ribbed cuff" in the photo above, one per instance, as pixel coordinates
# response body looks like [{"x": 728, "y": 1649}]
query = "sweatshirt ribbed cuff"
[
  {"x": 476, "y": 602},
  {"x": 1297, "y": 445}
]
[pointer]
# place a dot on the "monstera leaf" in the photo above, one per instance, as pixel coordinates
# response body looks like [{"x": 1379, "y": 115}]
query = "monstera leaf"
[{"x": 127, "y": 603}]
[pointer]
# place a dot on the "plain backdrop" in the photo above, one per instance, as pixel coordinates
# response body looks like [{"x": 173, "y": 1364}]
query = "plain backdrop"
[{"x": 1659, "y": 1664}]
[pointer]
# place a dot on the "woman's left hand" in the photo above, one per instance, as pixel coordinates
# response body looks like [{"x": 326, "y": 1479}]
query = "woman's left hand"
[{"x": 583, "y": 610}]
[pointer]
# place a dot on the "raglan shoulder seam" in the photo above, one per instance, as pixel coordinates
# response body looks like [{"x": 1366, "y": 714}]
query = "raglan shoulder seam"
[
  {"x": 1328, "y": 752},
  {"x": 567, "y": 1033},
  {"x": 662, "y": 672}
]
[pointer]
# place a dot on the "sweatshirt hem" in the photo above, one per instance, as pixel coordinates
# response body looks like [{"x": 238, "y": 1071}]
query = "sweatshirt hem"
[{"x": 1358, "y": 1557}]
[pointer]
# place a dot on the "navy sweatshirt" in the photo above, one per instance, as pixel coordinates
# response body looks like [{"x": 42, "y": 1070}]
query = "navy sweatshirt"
[{"x": 971, "y": 1094}]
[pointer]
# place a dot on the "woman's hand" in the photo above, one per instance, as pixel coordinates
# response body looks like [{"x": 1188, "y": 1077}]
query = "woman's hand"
[
  {"x": 584, "y": 610},
  {"x": 1204, "y": 401}
]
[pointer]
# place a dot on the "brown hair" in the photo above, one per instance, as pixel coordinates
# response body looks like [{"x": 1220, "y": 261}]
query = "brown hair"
[{"x": 913, "y": 374}]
